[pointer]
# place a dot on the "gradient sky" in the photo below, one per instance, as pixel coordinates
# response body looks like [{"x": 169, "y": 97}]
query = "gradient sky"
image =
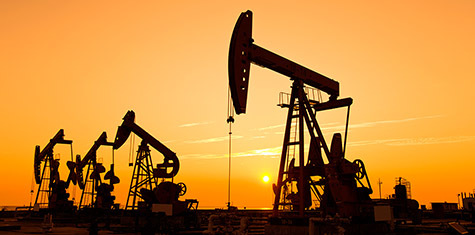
[{"x": 408, "y": 65}]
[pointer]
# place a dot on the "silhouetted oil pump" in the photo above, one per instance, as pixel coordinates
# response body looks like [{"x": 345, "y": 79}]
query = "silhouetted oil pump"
[
  {"x": 51, "y": 189},
  {"x": 340, "y": 188},
  {"x": 95, "y": 193},
  {"x": 144, "y": 184}
]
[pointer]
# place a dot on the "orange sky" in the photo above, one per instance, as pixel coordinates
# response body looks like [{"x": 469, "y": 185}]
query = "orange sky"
[{"x": 80, "y": 66}]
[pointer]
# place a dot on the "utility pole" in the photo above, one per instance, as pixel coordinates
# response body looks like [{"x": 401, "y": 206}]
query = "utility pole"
[{"x": 379, "y": 184}]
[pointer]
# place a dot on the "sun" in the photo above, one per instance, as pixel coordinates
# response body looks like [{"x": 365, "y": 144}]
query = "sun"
[{"x": 265, "y": 178}]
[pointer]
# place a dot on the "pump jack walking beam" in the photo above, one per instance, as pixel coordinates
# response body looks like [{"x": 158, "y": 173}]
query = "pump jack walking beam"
[
  {"x": 91, "y": 154},
  {"x": 48, "y": 151},
  {"x": 243, "y": 51},
  {"x": 46, "y": 155},
  {"x": 170, "y": 158}
]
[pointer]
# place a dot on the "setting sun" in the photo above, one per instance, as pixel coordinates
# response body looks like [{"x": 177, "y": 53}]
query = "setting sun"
[{"x": 265, "y": 178}]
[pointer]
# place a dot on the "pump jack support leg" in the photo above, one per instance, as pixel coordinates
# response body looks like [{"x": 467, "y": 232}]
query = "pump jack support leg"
[
  {"x": 317, "y": 127},
  {"x": 284, "y": 152}
]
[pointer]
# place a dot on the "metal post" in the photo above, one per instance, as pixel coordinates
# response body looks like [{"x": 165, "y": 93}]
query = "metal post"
[
  {"x": 379, "y": 183},
  {"x": 458, "y": 201},
  {"x": 301, "y": 151},
  {"x": 229, "y": 168},
  {"x": 346, "y": 129}
]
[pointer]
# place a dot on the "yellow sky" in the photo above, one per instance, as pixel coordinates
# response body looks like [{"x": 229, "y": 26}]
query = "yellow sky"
[{"x": 80, "y": 66}]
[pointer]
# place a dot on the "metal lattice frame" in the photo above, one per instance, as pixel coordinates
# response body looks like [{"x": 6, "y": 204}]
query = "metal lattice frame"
[{"x": 142, "y": 176}]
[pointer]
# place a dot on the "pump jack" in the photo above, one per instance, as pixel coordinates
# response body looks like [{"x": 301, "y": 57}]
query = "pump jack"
[
  {"x": 97, "y": 193},
  {"x": 341, "y": 181},
  {"x": 144, "y": 179},
  {"x": 50, "y": 187}
]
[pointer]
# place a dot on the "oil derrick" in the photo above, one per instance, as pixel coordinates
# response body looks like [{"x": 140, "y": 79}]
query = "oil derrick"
[
  {"x": 144, "y": 183},
  {"x": 340, "y": 186},
  {"x": 95, "y": 192},
  {"x": 142, "y": 176},
  {"x": 51, "y": 191}
]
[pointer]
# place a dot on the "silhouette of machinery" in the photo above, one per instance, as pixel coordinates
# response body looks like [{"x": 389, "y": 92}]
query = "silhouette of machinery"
[
  {"x": 95, "y": 193},
  {"x": 144, "y": 184},
  {"x": 51, "y": 191},
  {"x": 403, "y": 206},
  {"x": 340, "y": 186}
]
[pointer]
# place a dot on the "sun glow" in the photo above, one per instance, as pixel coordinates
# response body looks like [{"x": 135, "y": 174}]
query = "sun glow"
[{"x": 265, "y": 178}]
